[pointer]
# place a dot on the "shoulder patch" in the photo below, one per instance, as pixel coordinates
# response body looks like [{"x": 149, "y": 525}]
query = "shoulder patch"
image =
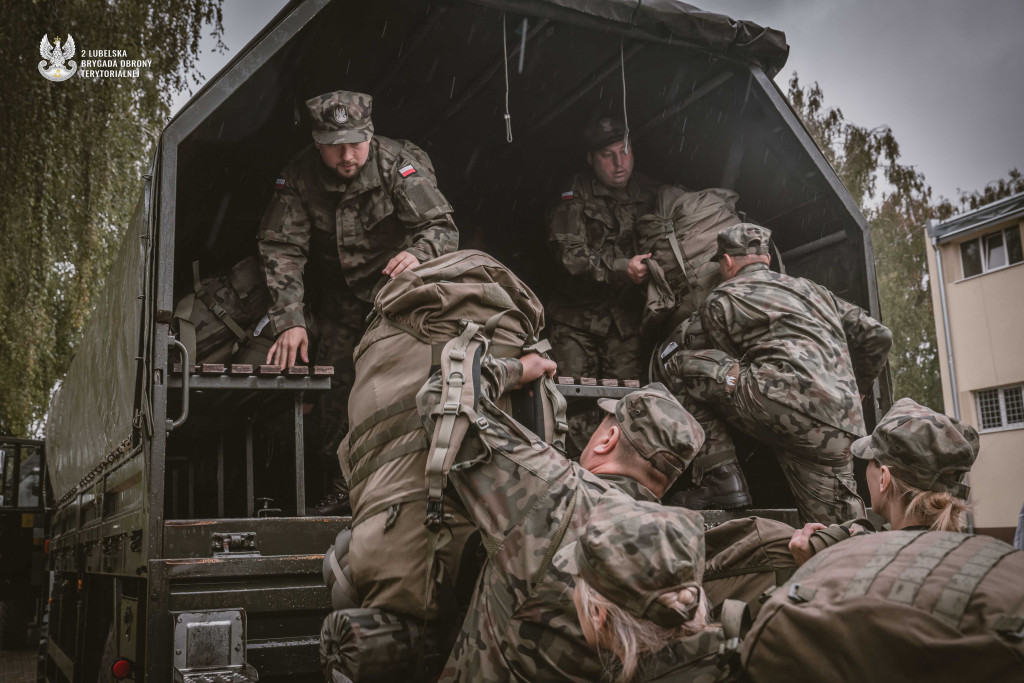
[
  {"x": 568, "y": 195},
  {"x": 406, "y": 170},
  {"x": 279, "y": 184}
]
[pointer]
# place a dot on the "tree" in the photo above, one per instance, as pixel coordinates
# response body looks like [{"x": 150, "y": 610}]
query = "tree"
[
  {"x": 864, "y": 158},
  {"x": 71, "y": 161}
]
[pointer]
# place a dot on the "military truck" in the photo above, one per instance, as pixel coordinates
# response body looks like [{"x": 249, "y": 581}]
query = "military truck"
[
  {"x": 23, "y": 497},
  {"x": 180, "y": 545}
]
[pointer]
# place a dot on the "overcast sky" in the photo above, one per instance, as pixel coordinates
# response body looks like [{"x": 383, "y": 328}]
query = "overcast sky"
[{"x": 946, "y": 75}]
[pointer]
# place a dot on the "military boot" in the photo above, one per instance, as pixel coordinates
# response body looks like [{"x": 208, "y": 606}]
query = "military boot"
[{"x": 721, "y": 488}]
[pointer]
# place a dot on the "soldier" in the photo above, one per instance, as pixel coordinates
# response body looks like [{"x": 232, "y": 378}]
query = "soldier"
[
  {"x": 364, "y": 206},
  {"x": 638, "y": 570},
  {"x": 522, "y": 623},
  {"x": 594, "y": 312},
  {"x": 787, "y": 363},
  {"x": 916, "y": 458}
]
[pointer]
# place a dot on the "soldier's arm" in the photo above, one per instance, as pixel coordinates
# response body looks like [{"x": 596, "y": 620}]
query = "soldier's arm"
[
  {"x": 720, "y": 320},
  {"x": 869, "y": 342},
  {"x": 814, "y": 538},
  {"x": 567, "y": 235},
  {"x": 421, "y": 207},
  {"x": 284, "y": 248}
]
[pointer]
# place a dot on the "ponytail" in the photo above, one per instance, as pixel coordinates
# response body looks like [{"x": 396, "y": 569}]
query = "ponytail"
[{"x": 939, "y": 510}]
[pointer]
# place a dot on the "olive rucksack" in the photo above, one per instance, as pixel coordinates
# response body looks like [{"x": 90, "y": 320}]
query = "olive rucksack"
[
  {"x": 896, "y": 606},
  {"x": 224, "y": 319},
  {"x": 745, "y": 557},
  {"x": 682, "y": 236},
  {"x": 405, "y": 550}
]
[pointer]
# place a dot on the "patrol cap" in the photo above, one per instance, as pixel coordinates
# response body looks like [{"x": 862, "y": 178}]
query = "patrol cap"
[
  {"x": 658, "y": 427},
  {"x": 924, "y": 448},
  {"x": 602, "y": 132},
  {"x": 341, "y": 116},
  {"x": 742, "y": 239},
  {"x": 632, "y": 552}
]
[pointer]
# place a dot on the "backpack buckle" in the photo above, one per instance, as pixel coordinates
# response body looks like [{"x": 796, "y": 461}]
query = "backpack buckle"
[
  {"x": 435, "y": 513},
  {"x": 798, "y": 593},
  {"x": 1010, "y": 627}
]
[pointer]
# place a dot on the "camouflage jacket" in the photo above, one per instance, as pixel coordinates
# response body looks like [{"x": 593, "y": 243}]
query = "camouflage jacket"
[
  {"x": 807, "y": 348},
  {"x": 591, "y": 232},
  {"x": 351, "y": 229},
  {"x": 517, "y": 493},
  {"x": 693, "y": 659}
]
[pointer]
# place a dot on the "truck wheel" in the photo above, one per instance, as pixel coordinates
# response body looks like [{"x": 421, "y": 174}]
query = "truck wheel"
[{"x": 15, "y": 616}]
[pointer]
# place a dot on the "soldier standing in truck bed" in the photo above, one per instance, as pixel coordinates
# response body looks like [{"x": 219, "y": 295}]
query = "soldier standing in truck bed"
[
  {"x": 594, "y": 311},
  {"x": 357, "y": 207},
  {"x": 788, "y": 363}
]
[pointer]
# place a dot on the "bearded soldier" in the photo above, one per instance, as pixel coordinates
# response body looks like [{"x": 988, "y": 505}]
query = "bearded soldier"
[
  {"x": 787, "y": 363},
  {"x": 594, "y": 313},
  {"x": 354, "y": 207}
]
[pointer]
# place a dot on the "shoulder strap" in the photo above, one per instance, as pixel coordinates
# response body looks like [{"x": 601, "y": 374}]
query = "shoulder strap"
[{"x": 953, "y": 600}]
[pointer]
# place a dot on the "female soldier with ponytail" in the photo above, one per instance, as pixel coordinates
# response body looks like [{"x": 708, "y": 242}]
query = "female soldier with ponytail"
[{"x": 916, "y": 458}]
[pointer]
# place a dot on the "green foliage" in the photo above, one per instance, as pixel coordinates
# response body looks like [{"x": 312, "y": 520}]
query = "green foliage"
[
  {"x": 72, "y": 160},
  {"x": 862, "y": 157},
  {"x": 1013, "y": 183}
]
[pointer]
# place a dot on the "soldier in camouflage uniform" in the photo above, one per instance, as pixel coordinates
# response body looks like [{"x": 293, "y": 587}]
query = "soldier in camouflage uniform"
[
  {"x": 594, "y": 311},
  {"x": 916, "y": 460},
  {"x": 638, "y": 570},
  {"x": 364, "y": 207},
  {"x": 521, "y": 623},
  {"x": 788, "y": 363}
]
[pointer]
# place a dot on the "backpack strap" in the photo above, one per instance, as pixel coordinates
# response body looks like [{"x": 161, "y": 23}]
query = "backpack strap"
[
  {"x": 365, "y": 469},
  {"x": 396, "y": 408},
  {"x": 913, "y": 577},
  {"x": 342, "y": 581},
  {"x": 893, "y": 543},
  {"x": 670, "y": 233},
  {"x": 215, "y": 306},
  {"x": 953, "y": 600}
]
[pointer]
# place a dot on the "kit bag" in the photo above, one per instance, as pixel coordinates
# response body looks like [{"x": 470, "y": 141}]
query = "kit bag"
[
  {"x": 896, "y": 606},
  {"x": 682, "y": 236},
  {"x": 746, "y": 557},
  {"x": 224, "y": 318},
  {"x": 405, "y": 551},
  {"x": 376, "y": 646}
]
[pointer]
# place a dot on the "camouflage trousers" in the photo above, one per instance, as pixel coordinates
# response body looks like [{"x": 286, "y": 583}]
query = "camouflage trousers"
[
  {"x": 583, "y": 354},
  {"x": 338, "y": 326},
  {"x": 815, "y": 457}
]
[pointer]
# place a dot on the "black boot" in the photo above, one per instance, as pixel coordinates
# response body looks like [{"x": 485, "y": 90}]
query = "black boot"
[
  {"x": 334, "y": 504},
  {"x": 721, "y": 488}
]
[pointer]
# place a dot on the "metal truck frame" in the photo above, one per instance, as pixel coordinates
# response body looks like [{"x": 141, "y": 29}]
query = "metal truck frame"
[{"x": 164, "y": 561}]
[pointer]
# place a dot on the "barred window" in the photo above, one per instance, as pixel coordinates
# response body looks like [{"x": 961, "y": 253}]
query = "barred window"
[{"x": 1001, "y": 408}]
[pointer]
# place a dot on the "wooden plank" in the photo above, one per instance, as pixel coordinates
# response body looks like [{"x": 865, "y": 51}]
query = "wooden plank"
[
  {"x": 588, "y": 381},
  {"x": 212, "y": 369},
  {"x": 567, "y": 380},
  {"x": 323, "y": 370},
  {"x": 609, "y": 382},
  {"x": 241, "y": 369},
  {"x": 631, "y": 383},
  {"x": 269, "y": 370},
  {"x": 297, "y": 371}
]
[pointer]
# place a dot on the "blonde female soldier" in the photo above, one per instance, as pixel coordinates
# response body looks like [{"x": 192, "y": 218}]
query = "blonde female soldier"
[
  {"x": 916, "y": 458},
  {"x": 637, "y": 570}
]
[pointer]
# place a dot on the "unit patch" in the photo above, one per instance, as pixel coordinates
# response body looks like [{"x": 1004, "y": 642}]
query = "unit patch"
[
  {"x": 279, "y": 184},
  {"x": 567, "y": 195},
  {"x": 406, "y": 171}
]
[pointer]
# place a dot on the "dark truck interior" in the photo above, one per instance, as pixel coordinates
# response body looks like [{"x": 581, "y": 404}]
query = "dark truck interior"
[{"x": 436, "y": 72}]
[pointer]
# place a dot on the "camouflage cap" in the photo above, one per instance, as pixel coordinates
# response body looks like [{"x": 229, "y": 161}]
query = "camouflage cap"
[
  {"x": 602, "y": 132},
  {"x": 742, "y": 239},
  {"x": 658, "y": 427},
  {"x": 924, "y": 448},
  {"x": 341, "y": 116},
  {"x": 632, "y": 552}
]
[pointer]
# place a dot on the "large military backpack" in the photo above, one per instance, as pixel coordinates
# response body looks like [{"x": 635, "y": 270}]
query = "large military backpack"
[
  {"x": 405, "y": 550},
  {"x": 682, "y": 236},
  {"x": 224, "y": 318},
  {"x": 746, "y": 557},
  {"x": 896, "y": 606}
]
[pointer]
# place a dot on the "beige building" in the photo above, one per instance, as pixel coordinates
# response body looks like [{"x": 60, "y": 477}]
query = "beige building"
[{"x": 977, "y": 265}]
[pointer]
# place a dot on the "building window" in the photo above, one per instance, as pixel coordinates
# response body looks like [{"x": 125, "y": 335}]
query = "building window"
[
  {"x": 991, "y": 252},
  {"x": 1001, "y": 408}
]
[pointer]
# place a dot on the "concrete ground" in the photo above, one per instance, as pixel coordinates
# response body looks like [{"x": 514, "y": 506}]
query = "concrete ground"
[{"x": 18, "y": 666}]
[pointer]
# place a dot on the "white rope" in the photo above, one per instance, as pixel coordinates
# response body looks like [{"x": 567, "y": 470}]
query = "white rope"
[
  {"x": 504, "y": 47},
  {"x": 625, "y": 114}
]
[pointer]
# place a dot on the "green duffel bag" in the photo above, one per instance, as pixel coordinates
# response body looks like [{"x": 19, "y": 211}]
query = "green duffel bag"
[
  {"x": 375, "y": 646},
  {"x": 896, "y": 606},
  {"x": 746, "y": 557},
  {"x": 224, "y": 319}
]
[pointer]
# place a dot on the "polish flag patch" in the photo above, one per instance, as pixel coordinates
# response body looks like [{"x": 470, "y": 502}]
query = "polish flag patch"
[
  {"x": 567, "y": 195},
  {"x": 279, "y": 184},
  {"x": 406, "y": 171}
]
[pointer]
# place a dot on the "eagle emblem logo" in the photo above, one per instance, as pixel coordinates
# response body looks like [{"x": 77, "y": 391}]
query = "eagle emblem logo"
[
  {"x": 56, "y": 56},
  {"x": 340, "y": 115}
]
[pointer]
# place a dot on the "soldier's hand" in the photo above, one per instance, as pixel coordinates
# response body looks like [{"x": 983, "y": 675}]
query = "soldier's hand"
[
  {"x": 534, "y": 366},
  {"x": 636, "y": 269},
  {"x": 800, "y": 544},
  {"x": 401, "y": 262},
  {"x": 292, "y": 343}
]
